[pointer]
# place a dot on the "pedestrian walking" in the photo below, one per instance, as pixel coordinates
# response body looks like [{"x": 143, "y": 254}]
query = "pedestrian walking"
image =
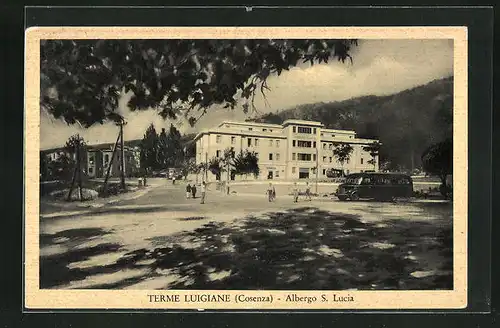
[
  {"x": 188, "y": 190},
  {"x": 193, "y": 190},
  {"x": 203, "y": 192},
  {"x": 173, "y": 180},
  {"x": 308, "y": 191},
  {"x": 270, "y": 192},
  {"x": 295, "y": 192}
]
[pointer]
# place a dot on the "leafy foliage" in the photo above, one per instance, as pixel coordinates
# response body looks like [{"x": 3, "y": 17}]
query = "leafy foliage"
[
  {"x": 246, "y": 162},
  {"x": 406, "y": 123},
  {"x": 342, "y": 152},
  {"x": 161, "y": 151},
  {"x": 82, "y": 80},
  {"x": 74, "y": 142},
  {"x": 373, "y": 149},
  {"x": 170, "y": 150},
  {"x": 438, "y": 160},
  {"x": 215, "y": 166},
  {"x": 149, "y": 149}
]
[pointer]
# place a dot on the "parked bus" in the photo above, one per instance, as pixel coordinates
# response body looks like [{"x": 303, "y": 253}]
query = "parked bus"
[{"x": 378, "y": 186}]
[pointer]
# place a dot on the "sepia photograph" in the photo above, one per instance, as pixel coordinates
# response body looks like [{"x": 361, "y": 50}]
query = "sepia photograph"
[{"x": 247, "y": 163}]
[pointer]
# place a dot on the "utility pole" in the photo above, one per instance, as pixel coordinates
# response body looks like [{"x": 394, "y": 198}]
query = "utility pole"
[
  {"x": 78, "y": 158},
  {"x": 206, "y": 167},
  {"x": 317, "y": 169},
  {"x": 122, "y": 146},
  {"x": 108, "y": 171}
]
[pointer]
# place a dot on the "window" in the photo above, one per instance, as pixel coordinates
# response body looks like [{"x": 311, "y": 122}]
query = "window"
[
  {"x": 277, "y": 143},
  {"x": 314, "y": 144},
  {"x": 304, "y": 144},
  {"x": 330, "y": 146},
  {"x": 324, "y": 146},
  {"x": 324, "y": 158},
  {"x": 304, "y": 157},
  {"x": 277, "y": 157},
  {"x": 362, "y": 160},
  {"x": 249, "y": 142},
  {"x": 302, "y": 129},
  {"x": 270, "y": 157},
  {"x": 106, "y": 158},
  {"x": 314, "y": 130},
  {"x": 91, "y": 170},
  {"x": 330, "y": 159},
  {"x": 324, "y": 171},
  {"x": 218, "y": 139},
  {"x": 233, "y": 140},
  {"x": 347, "y": 161},
  {"x": 250, "y": 129},
  {"x": 293, "y": 143},
  {"x": 294, "y": 129},
  {"x": 333, "y": 135},
  {"x": 270, "y": 130},
  {"x": 264, "y": 130},
  {"x": 270, "y": 143},
  {"x": 217, "y": 153},
  {"x": 293, "y": 169},
  {"x": 314, "y": 157},
  {"x": 277, "y": 174},
  {"x": 256, "y": 142},
  {"x": 293, "y": 156}
]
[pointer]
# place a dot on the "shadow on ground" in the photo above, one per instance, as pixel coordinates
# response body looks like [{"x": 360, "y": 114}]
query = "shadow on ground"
[{"x": 299, "y": 249}]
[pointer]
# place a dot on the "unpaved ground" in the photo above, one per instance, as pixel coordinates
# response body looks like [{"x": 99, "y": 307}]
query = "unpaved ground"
[{"x": 163, "y": 240}]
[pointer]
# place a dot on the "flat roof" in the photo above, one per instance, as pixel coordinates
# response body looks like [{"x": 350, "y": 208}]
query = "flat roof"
[
  {"x": 302, "y": 122},
  {"x": 252, "y": 124}
]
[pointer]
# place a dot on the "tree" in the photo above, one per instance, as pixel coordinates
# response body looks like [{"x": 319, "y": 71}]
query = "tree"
[
  {"x": 170, "y": 150},
  {"x": 215, "y": 166},
  {"x": 342, "y": 152},
  {"x": 246, "y": 162},
  {"x": 73, "y": 142},
  {"x": 83, "y": 80},
  {"x": 189, "y": 166},
  {"x": 149, "y": 149},
  {"x": 438, "y": 160},
  {"x": 373, "y": 149}
]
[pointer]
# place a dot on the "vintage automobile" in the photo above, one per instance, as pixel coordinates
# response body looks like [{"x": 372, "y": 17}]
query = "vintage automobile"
[{"x": 378, "y": 186}]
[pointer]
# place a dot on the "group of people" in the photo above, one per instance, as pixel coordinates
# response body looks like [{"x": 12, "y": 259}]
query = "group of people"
[
  {"x": 191, "y": 191},
  {"x": 271, "y": 192}
]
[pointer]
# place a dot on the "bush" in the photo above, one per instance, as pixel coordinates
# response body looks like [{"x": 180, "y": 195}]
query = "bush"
[{"x": 88, "y": 194}]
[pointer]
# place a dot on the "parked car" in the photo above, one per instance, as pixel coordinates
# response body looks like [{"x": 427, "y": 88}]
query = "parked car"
[
  {"x": 378, "y": 186},
  {"x": 160, "y": 174}
]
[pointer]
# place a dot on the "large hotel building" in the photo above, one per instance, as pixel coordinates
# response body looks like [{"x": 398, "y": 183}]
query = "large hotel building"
[{"x": 293, "y": 150}]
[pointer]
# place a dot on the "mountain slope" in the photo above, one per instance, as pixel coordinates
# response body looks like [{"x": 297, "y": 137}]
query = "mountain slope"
[{"x": 406, "y": 122}]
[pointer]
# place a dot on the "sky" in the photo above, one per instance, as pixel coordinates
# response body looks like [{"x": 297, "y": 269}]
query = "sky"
[{"x": 380, "y": 67}]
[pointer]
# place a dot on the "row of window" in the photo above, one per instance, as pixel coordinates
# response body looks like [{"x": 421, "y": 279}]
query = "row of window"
[
  {"x": 271, "y": 156},
  {"x": 304, "y": 130},
  {"x": 250, "y": 141}
]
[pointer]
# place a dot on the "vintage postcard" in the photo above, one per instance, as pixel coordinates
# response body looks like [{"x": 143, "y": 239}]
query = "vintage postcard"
[{"x": 246, "y": 168}]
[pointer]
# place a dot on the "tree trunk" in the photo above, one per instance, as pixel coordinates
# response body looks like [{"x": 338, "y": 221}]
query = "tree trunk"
[
  {"x": 73, "y": 180},
  {"x": 122, "y": 146},
  {"x": 78, "y": 158}
]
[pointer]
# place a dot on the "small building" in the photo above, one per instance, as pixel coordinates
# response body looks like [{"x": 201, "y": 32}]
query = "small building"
[
  {"x": 96, "y": 159},
  {"x": 296, "y": 149}
]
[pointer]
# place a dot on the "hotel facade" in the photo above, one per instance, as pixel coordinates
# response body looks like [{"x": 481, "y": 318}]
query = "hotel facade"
[{"x": 296, "y": 149}]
